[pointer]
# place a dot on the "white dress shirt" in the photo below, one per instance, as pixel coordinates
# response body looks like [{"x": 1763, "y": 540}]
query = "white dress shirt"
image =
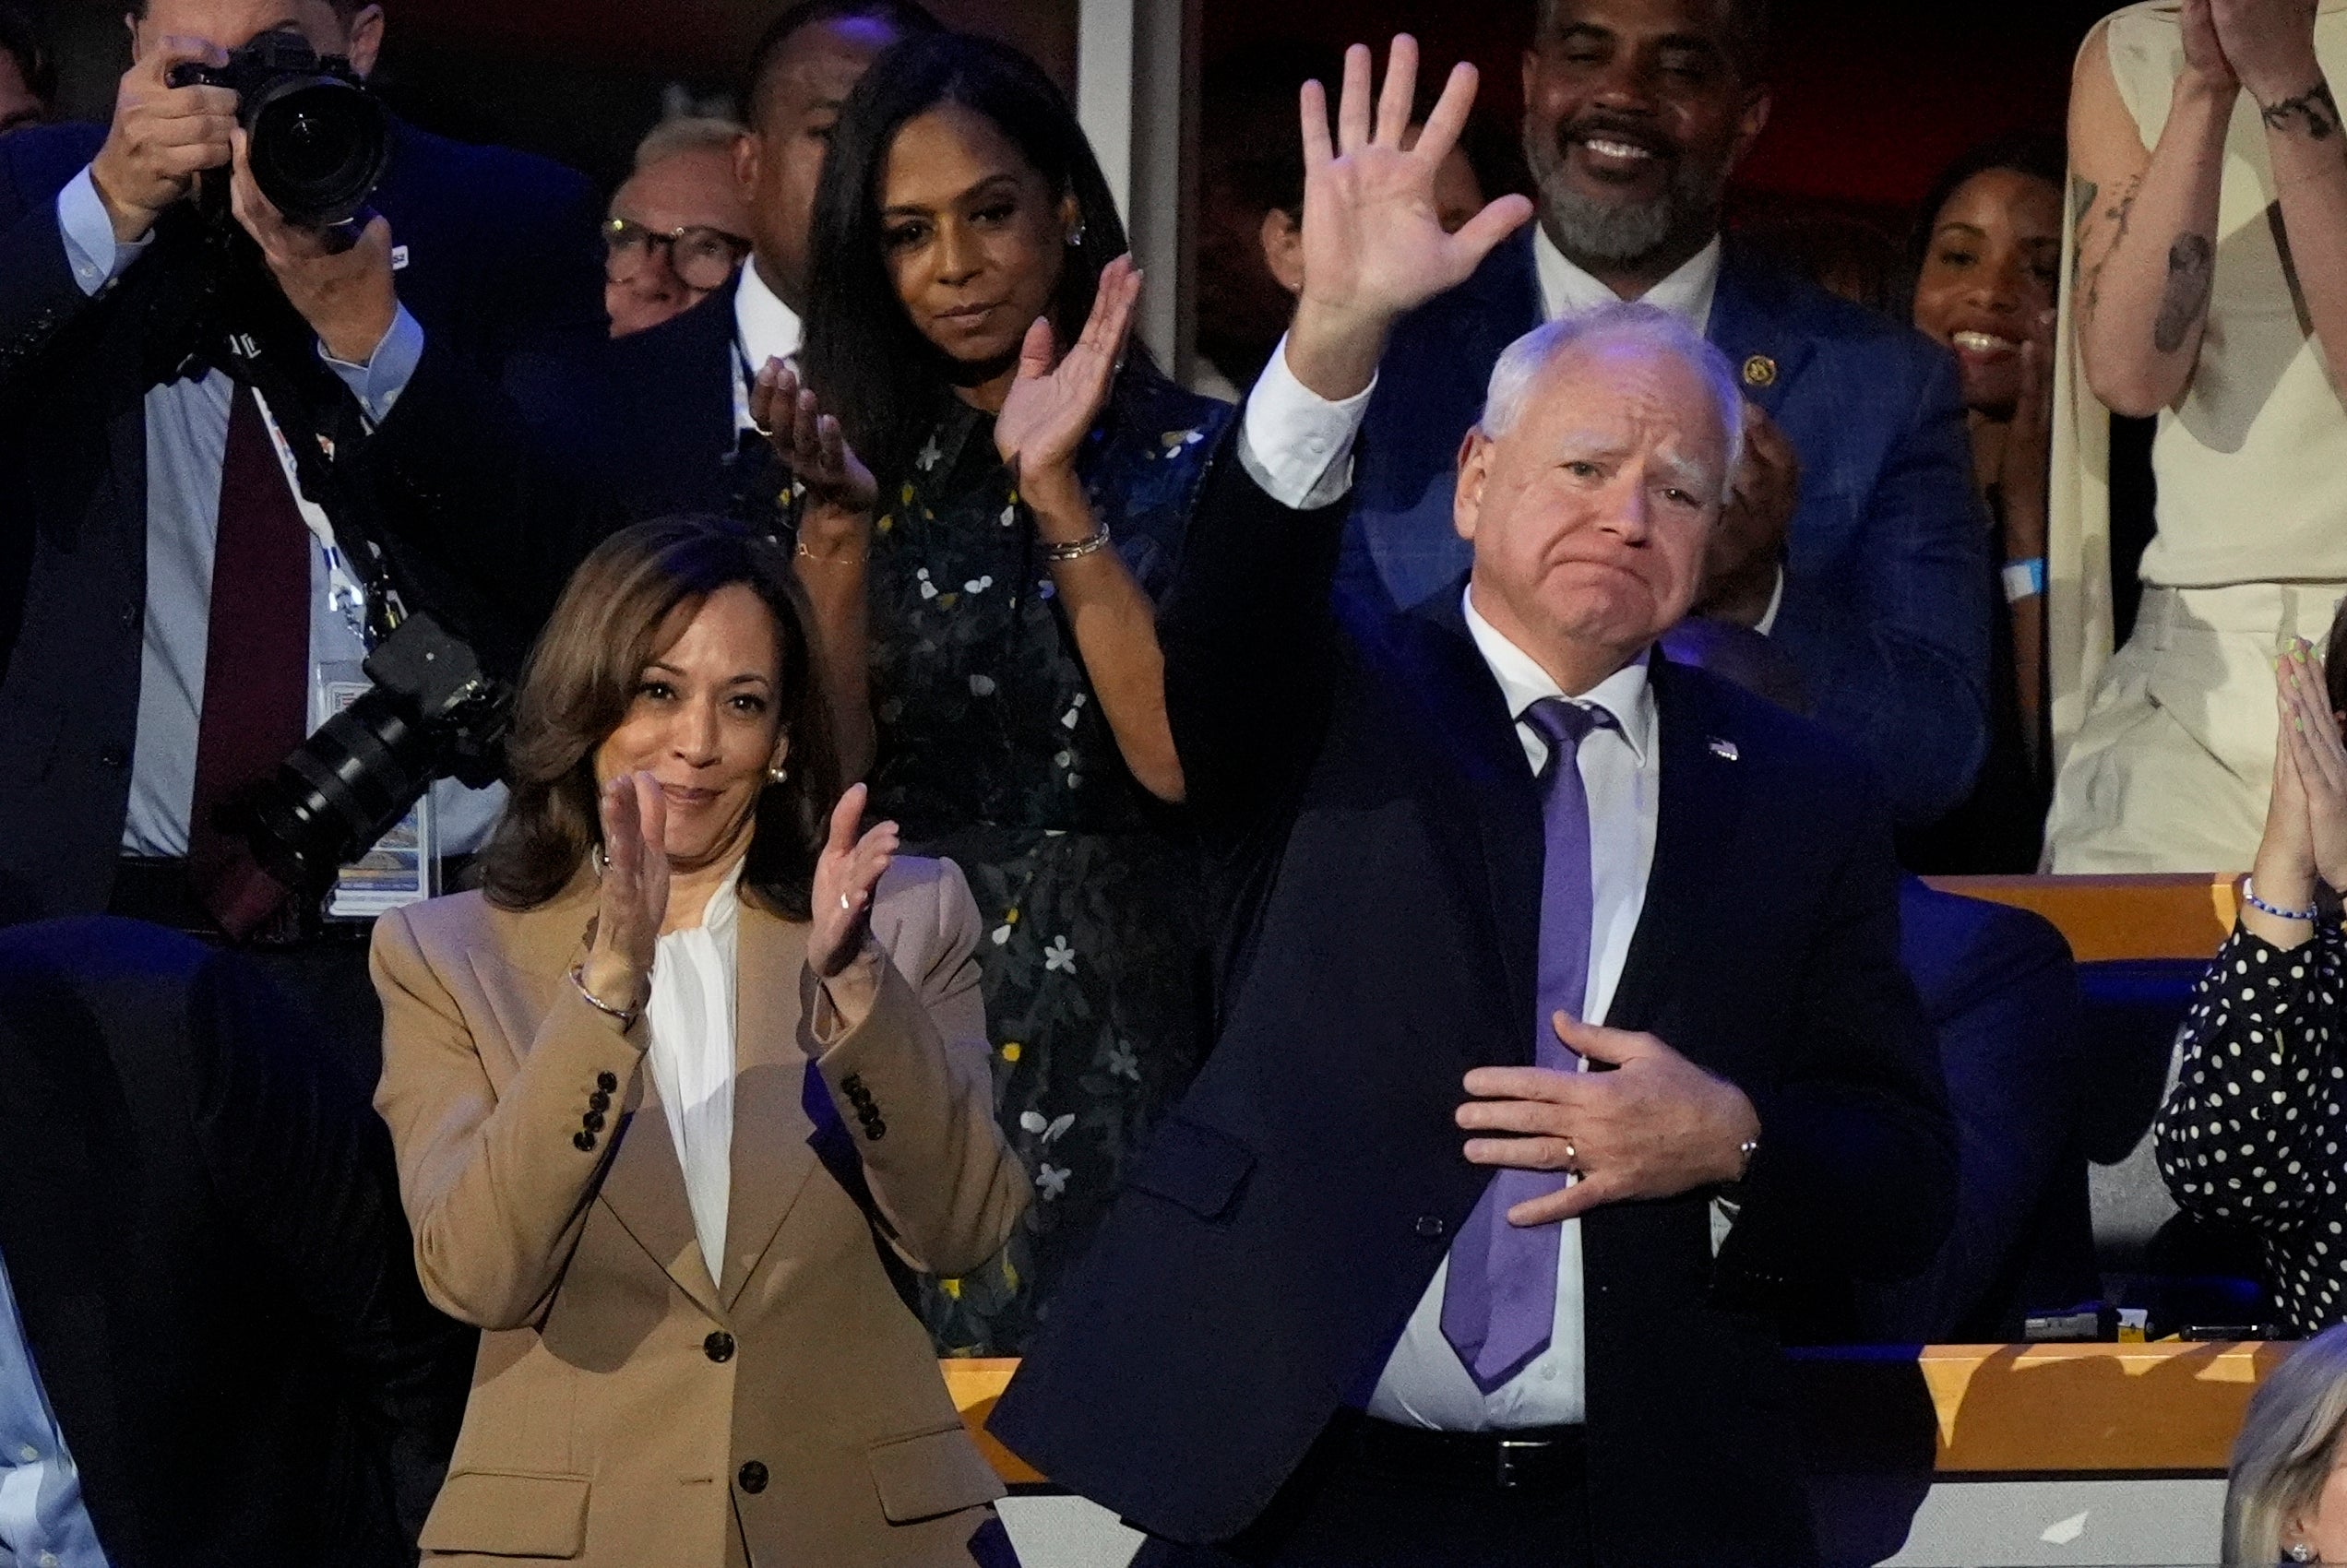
[
  {"x": 1425, "y": 1384},
  {"x": 691, "y": 1017},
  {"x": 1687, "y": 294},
  {"x": 42, "y": 1521},
  {"x": 763, "y": 329}
]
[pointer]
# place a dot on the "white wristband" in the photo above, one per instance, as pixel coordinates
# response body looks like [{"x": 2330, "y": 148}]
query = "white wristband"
[{"x": 2024, "y": 579}]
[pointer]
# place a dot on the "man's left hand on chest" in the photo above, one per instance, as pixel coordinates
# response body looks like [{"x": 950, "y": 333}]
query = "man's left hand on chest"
[
  {"x": 1655, "y": 1127},
  {"x": 343, "y": 290}
]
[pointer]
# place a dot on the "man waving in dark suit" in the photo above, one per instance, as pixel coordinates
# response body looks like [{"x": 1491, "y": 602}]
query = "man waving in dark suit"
[
  {"x": 1566, "y": 1020},
  {"x": 1852, "y": 534}
]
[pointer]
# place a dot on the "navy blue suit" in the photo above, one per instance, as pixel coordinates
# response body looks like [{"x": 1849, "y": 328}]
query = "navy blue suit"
[
  {"x": 201, "y": 1224},
  {"x": 501, "y": 261},
  {"x": 2001, "y": 992},
  {"x": 1888, "y": 604},
  {"x": 1361, "y": 779}
]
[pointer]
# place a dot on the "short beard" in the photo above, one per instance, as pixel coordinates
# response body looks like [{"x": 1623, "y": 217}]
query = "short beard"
[{"x": 1586, "y": 228}]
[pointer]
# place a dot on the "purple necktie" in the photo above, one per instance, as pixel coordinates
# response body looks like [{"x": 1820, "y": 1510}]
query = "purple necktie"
[{"x": 1500, "y": 1300}]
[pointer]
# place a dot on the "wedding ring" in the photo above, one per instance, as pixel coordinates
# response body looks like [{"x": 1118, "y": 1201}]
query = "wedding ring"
[
  {"x": 762, "y": 429},
  {"x": 1572, "y": 1156}
]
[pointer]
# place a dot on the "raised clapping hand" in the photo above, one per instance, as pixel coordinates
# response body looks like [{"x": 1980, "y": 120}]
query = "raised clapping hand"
[
  {"x": 2306, "y": 839},
  {"x": 849, "y": 869},
  {"x": 811, "y": 445},
  {"x": 2269, "y": 46},
  {"x": 1374, "y": 243},
  {"x": 344, "y": 289},
  {"x": 633, "y": 892},
  {"x": 1656, "y": 1127},
  {"x": 1748, "y": 549},
  {"x": 1055, "y": 398},
  {"x": 2204, "y": 55}
]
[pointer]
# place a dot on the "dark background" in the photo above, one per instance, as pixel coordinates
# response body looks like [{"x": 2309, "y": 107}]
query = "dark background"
[{"x": 1873, "y": 96}]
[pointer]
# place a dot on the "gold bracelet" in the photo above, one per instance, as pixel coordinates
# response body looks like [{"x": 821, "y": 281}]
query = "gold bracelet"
[
  {"x": 1056, "y": 553},
  {"x": 844, "y": 558}
]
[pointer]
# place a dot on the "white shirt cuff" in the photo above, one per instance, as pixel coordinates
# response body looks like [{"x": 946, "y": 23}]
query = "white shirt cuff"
[
  {"x": 1776, "y": 602},
  {"x": 1296, "y": 444},
  {"x": 96, "y": 257},
  {"x": 378, "y": 383}
]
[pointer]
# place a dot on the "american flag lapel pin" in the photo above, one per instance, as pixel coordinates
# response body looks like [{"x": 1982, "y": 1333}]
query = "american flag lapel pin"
[{"x": 1724, "y": 750}]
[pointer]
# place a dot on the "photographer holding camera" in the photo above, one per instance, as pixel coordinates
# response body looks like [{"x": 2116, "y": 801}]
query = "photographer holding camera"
[{"x": 203, "y": 314}]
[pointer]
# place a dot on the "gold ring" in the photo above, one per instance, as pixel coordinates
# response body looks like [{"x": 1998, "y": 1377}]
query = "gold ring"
[
  {"x": 762, "y": 429},
  {"x": 1572, "y": 1156}
]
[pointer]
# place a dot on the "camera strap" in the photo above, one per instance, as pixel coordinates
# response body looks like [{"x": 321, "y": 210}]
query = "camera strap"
[{"x": 348, "y": 594}]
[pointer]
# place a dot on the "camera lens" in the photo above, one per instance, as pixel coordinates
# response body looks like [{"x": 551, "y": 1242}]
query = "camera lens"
[{"x": 319, "y": 148}]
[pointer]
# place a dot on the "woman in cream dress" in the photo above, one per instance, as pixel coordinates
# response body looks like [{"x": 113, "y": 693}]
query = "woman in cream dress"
[{"x": 2208, "y": 285}]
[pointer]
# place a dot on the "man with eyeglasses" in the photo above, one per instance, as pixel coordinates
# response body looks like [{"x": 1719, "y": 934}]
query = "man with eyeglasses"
[
  {"x": 677, "y": 228},
  {"x": 656, "y": 421}
]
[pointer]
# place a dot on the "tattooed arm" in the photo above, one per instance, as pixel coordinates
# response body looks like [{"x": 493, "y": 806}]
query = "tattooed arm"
[
  {"x": 2271, "y": 44},
  {"x": 2147, "y": 220}
]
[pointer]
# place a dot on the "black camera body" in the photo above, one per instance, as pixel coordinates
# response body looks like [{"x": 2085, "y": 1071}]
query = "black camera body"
[
  {"x": 430, "y": 713},
  {"x": 320, "y": 143}
]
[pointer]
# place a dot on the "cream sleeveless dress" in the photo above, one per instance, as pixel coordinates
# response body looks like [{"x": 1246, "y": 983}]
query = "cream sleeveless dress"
[{"x": 2167, "y": 748}]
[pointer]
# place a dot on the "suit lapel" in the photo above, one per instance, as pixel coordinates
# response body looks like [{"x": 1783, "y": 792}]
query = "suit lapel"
[
  {"x": 1463, "y": 705},
  {"x": 1751, "y": 326},
  {"x": 644, "y": 1188},
  {"x": 772, "y": 1156},
  {"x": 1699, "y": 817}
]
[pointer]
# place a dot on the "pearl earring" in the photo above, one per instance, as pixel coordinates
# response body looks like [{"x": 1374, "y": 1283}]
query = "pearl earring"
[
  {"x": 2301, "y": 1552},
  {"x": 1076, "y": 238},
  {"x": 778, "y": 773}
]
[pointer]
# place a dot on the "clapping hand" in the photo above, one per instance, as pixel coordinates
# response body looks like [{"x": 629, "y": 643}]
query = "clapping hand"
[
  {"x": 1055, "y": 398},
  {"x": 1374, "y": 244},
  {"x": 849, "y": 870},
  {"x": 2312, "y": 767},
  {"x": 633, "y": 905},
  {"x": 1748, "y": 549},
  {"x": 2204, "y": 55},
  {"x": 1656, "y": 1127},
  {"x": 811, "y": 444},
  {"x": 2269, "y": 46}
]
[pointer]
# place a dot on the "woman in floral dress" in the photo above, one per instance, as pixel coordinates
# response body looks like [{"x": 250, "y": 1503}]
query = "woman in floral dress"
[{"x": 987, "y": 601}]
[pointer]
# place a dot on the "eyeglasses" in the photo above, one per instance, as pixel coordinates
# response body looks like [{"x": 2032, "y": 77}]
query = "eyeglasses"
[{"x": 701, "y": 257}]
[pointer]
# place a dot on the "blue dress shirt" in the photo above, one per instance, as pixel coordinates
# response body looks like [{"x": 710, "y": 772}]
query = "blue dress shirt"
[
  {"x": 42, "y": 1522},
  {"x": 186, "y": 445}
]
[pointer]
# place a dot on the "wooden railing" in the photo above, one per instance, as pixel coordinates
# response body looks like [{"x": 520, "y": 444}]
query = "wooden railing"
[{"x": 2008, "y": 1409}]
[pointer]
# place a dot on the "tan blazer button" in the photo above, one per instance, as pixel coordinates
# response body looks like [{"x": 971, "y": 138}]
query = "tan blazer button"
[
  {"x": 753, "y": 1478},
  {"x": 719, "y": 1347}
]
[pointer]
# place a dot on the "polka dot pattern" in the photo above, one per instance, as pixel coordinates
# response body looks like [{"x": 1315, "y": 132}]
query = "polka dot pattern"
[{"x": 2252, "y": 1132}]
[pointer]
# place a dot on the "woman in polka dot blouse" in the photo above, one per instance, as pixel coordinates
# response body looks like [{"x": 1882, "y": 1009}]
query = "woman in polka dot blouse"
[{"x": 2252, "y": 1135}]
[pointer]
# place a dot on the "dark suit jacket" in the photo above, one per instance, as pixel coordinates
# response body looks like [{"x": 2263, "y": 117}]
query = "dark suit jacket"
[
  {"x": 1888, "y": 586},
  {"x": 202, "y": 1228},
  {"x": 501, "y": 260},
  {"x": 2002, "y": 994},
  {"x": 1364, "y": 776}
]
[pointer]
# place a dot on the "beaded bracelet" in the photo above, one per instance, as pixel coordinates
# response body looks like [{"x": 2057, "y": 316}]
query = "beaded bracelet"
[{"x": 2249, "y": 896}]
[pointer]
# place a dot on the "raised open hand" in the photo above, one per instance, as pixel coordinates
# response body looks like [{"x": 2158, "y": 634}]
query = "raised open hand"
[
  {"x": 1374, "y": 243},
  {"x": 634, "y": 903},
  {"x": 810, "y": 441},
  {"x": 845, "y": 875},
  {"x": 1052, "y": 405}
]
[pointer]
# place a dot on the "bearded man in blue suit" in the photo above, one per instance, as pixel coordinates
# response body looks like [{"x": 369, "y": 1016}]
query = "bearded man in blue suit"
[{"x": 1855, "y": 536}]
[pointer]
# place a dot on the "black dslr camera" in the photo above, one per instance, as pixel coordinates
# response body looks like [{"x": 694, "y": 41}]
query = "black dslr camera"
[
  {"x": 320, "y": 142},
  {"x": 432, "y": 713}
]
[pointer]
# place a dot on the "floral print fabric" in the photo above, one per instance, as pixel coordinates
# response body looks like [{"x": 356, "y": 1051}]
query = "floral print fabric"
[{"x": 993, "y": 752}]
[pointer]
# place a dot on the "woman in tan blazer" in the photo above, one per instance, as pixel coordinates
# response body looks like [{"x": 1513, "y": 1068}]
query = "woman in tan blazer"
[{"x": 664, "y": 1093}]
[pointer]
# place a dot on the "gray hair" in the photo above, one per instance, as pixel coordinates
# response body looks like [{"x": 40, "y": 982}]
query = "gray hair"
[
  {"x": 686, "y": 133},
  {"x": 1629, "y": 321},
  {"x": 2287, "y": 1443}
]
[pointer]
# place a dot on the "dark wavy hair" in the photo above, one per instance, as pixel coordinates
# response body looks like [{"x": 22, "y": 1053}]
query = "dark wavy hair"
[
  {"x": 613, "y": 620},
  {"x": 864, "y": 357},
  {"x": 2041, "y": 155}
]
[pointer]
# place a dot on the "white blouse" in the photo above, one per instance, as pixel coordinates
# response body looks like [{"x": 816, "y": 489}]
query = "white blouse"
[{"x": 691, "y": 1018}]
